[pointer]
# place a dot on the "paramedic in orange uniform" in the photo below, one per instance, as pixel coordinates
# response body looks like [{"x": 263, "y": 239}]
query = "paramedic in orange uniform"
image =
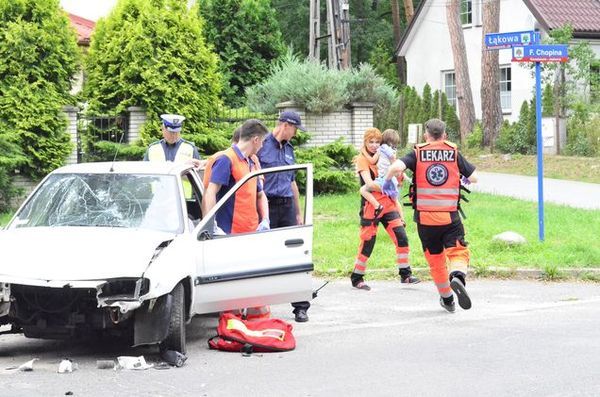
[
  {"x": 390, "y": 217},
  {"x": 438, "y": 168},
  {"x": 240, "y": 214}
]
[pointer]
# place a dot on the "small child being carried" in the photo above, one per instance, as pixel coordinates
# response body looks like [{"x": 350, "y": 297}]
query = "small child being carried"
[{"x": 385, "y": 156}]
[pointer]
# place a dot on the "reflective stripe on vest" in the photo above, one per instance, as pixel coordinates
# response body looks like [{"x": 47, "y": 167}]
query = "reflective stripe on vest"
[
  {"x": 437, "y": 177},
  {"x": 236, "y": 324}
]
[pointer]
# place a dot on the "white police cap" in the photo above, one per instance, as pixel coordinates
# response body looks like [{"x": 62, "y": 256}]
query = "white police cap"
[{"x": 172, "y": 122}]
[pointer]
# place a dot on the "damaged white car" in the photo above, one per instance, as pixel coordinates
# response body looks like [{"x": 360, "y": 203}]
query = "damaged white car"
[{"x": 123, "y": 248}]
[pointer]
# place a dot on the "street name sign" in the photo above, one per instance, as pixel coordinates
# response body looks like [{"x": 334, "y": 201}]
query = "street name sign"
[
  {"x": 496, "y": 41},
  {"x": 541, "y": 53}
]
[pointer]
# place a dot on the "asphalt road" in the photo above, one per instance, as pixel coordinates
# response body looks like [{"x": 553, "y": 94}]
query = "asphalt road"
[
  {"x": 521, "y": 338},
  {"x": 557, "y": 191}
]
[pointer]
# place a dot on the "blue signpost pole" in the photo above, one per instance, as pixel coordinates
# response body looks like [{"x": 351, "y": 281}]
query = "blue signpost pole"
[{"x": 540, "y": 157}]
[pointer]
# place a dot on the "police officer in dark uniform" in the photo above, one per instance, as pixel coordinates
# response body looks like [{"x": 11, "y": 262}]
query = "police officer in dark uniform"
[
  {"x": 172, "y": 147},
  {"x": 281, "y": 188}
]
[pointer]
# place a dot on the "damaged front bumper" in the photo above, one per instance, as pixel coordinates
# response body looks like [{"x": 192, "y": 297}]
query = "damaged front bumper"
[{"x": 121, "y": 303}]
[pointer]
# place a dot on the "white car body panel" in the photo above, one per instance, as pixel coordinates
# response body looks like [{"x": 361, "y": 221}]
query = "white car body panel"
[{"x": 71, "y": 253}]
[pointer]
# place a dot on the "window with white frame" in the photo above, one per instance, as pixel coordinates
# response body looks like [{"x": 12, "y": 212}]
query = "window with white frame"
[
  {"x": 466, "y": 12},
  {"x": 449, "y": 86},
  {"x": 505, "y": 88}
]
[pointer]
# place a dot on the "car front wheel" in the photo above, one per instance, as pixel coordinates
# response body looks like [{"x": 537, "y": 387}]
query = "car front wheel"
[{"x": 175, "y": 339}]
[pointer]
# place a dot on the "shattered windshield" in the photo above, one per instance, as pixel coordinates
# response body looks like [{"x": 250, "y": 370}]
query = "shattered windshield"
[{"x": 105, "y": 200}]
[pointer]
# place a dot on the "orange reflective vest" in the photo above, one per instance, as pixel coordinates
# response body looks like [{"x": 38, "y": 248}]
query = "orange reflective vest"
[
  {"x": 245, "y": 214},
  {"x": 437, "y": 177}
]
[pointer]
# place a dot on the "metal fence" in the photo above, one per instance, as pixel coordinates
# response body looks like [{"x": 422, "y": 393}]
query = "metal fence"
[{"x": 92, "y": 129}]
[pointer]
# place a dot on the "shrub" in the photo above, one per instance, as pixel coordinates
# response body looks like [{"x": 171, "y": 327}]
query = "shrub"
[
  {"x": 317, "y": 88},
  {"x": 332, "y": 165},
  {"x": 153, "y": 54},
  {"x": 38, "y": 57},
  {"x": 583, "y": 129},
  {"x": 475, "y": 138},
  {"x": 109, "y": 151},
  {"x": 307, "y": 83},
  {"x": 519, "y": 137}
]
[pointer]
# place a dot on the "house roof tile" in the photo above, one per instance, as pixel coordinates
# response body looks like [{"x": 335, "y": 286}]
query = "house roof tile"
[
  {"x": 583, "y": 15},
  {"x": 84, "y": 28}
]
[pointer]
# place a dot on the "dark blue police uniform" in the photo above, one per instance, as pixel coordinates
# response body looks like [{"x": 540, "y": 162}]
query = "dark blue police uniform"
[{"x": 278, "y": 187}]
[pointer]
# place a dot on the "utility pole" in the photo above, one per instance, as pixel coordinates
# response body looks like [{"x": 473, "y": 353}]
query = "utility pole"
[
  {"x": 314, "y": 46},
  {"x": 344, "y": 26},
  {"x": 338, "y": 33}
]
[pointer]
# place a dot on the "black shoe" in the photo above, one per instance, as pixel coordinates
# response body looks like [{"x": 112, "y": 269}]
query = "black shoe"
[
  {"x": 361, "y": 285},
  {"x": 359, "y": 282},
  {"x": 300, "y": 316},
  {"x": 450, "y": 307},
  {"x": 461, "y": 293},
  {"x": 409, "y": 280}
]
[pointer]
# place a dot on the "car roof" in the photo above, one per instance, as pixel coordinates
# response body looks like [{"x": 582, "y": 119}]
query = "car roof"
[{"x": 125, "y": 167}]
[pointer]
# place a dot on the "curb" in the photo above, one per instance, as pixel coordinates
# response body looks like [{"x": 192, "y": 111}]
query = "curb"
[{"x": 549, "y": 273}]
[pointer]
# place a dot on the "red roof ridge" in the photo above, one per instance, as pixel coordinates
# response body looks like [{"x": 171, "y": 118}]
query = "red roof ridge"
[{"x": 84, "y": 28}]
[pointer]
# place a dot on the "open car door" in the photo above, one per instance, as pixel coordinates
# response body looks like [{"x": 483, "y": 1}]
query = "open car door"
[{"x": 257, "y": 268}]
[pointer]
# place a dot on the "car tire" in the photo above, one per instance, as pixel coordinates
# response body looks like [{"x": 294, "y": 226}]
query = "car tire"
[{"x": 175, "y": 339}]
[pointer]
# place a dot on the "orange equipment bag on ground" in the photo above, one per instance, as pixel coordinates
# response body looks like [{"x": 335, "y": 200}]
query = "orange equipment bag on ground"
[{"x": 237, "y": 335}]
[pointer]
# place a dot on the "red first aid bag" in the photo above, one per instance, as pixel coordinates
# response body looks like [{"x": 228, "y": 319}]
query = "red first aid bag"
[{"x": 237, "y": 335}]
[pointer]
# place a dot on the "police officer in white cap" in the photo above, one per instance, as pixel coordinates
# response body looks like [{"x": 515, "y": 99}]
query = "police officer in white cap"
[{"x": 172, "y": 147}]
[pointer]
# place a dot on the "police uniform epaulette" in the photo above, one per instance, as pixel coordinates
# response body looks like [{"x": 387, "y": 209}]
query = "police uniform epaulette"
[
  {"x": 155, "y": 143},
  {"x": 188, "y": 142}
]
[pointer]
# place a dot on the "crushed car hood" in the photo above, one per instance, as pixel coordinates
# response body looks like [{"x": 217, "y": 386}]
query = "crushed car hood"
[{"x": 77, "y": 253}]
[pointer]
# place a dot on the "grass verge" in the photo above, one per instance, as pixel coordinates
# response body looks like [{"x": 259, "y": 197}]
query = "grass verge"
[
  {"x": 583, "y": 169},
  {"x": 571, "y": 236}
]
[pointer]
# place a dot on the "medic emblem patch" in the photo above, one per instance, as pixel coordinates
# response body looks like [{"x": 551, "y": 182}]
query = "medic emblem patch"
[{"x": 437, "y": 174}]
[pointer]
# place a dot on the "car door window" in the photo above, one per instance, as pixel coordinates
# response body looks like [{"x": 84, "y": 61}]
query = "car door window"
[{"x": 193, "y": 197}]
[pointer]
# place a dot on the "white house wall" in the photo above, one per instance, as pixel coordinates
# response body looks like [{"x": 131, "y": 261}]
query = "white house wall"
[{"x": 428, "y": 51}]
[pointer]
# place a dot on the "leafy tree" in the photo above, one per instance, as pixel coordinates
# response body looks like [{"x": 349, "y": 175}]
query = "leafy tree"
[
  {"x": 428, "y": 106},
  {"x": 153, "y": 54},
  {"x": 246, "y": 35},
  {"x": 383, "y": 62},
  {"x": 293, "y": 17},
  {"x": 38, "y": 57},
  {"x": 547, "y": 101}
]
